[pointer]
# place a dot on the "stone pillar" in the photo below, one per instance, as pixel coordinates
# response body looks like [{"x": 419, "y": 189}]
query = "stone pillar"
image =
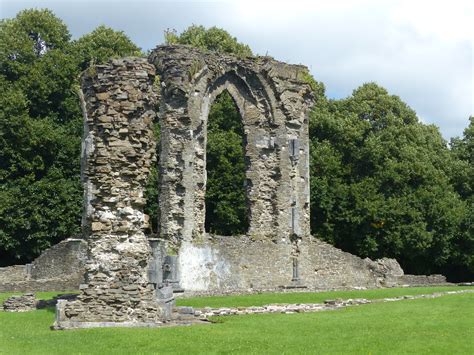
[{"x": 118, "y": 150}]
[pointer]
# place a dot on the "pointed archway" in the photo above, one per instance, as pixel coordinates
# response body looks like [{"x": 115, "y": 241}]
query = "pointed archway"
[{"x": 226, "y": 205}]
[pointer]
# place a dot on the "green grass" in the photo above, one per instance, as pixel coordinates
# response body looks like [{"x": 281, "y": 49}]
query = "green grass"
[
  {"x": 262, "y": 299},
  {"x": 443, "y": 325}
]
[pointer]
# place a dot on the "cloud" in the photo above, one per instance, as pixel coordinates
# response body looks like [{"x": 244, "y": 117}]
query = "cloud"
[{"x": 419, "y": 50}]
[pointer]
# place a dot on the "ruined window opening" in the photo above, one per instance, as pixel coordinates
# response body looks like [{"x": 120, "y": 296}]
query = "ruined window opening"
[
  {"x": 151, "y": 192},
  {"x": 226, "y": 206}
]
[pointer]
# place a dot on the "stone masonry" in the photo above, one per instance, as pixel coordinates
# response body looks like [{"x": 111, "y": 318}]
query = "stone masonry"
[
  {"x": 273, "y": 100},
  {"x": 59, "y": 268},
  {"x": 122, "y": 274},
  {"x": 118, "y": 150},
  {"x": 23, "y": 303},
  {"x": 129, "y": 279}
]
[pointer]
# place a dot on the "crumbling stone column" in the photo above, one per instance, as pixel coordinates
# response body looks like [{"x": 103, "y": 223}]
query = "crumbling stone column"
[{"x": 118, "y": 150}]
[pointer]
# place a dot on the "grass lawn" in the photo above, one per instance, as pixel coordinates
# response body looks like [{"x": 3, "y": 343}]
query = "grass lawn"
[{"x": 443, "y": 325}]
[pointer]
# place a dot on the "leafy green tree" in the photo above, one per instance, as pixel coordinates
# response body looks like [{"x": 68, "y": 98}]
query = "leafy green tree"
[
  {"x": 102, "y": 44},
  {"x": 463, "y": 150},
  {"x": 41, "y": 128},
  {"x": 226, "y": 211},
  {"x": 151, "y": 193},
  {"x": 40, "y": 192},
  {"x": 462, "y": 263},
  {"x": 26, "y": 38},
  {"x": 380, "y": 181}
]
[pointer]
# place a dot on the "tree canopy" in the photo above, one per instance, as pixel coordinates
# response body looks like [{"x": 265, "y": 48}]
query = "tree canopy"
[
  {"x": 41, "y": 128},
  {"x": 381, "y": 182},
  {"x": 226, "y": 210}
]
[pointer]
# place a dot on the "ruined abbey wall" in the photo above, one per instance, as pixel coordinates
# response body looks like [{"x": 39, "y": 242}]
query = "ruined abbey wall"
[
  {"x": 118, "y": 151},
  {"x": 129, "y": 279},
  {"x": 123, "y": 281},
  {"x": 59, "y": 268},
  {"x": 273, "y": 100},
  {"x": 219, "y": 266},
  {"x": 229, "y": 264}
]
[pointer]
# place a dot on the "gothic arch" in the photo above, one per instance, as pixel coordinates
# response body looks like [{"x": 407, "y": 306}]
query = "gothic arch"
[{"x": 273, "y": 101}]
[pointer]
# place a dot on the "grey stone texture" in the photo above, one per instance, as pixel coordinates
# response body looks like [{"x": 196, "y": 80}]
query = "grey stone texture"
[
  {"x": 273, "y": 100},
  {"x": 13, "y": 273},
  {"x": 118, "y": 150},
  {"x": 222, "y": 264},
  {"x": 23, "y": 303},
  {"x": 59, "y": 268},
  {"x": 422, "y": 280}
]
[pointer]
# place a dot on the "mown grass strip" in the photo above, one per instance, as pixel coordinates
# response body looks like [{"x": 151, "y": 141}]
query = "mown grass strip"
[{"x": 424, "y": 326}]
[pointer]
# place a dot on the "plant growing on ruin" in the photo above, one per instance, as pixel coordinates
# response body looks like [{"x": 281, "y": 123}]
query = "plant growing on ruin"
[{"x": 209, "y": 39}]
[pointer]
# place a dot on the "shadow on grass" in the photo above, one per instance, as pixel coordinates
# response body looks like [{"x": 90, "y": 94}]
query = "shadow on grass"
[{"x": 50, "y": 304}]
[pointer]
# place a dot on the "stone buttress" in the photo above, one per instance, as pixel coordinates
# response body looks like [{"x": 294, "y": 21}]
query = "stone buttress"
[{"x": 117, "y": 153}]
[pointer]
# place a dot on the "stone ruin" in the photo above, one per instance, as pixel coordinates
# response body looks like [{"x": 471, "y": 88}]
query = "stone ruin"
[
  {"x": 130, "y": 278},
  {"x": 123, "y": 274},
  {"x": 24, "y": 303}
]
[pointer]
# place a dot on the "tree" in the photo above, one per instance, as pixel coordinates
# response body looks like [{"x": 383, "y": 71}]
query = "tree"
[
  {"x": 41, "y": 128},
  {"x": 102, "y": 44},
  {"x": 380, "y": 181},
  {"x": 462, "y": 149},
  {"x": 226, "y": 210},
  {"x": 26, "y": 38}
]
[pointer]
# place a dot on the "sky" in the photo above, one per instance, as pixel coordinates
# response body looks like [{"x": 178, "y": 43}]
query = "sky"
[{"x": 422, "y": 51}]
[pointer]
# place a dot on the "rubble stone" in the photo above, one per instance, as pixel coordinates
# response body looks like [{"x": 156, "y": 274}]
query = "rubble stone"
[
  {"x": 24, "y": 303},
  {"x": 114, "y": 174}
]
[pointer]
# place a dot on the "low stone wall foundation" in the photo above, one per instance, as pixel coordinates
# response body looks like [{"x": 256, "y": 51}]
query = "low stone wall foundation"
[{"x": 59, "y": 268}]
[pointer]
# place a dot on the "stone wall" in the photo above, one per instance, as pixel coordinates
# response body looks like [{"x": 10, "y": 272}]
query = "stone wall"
[
  {"x": 322, "y": 266},
  {"x": 66, "y": 258},
  {"x": 59, "y": 268},
  {"x": 118, "y": 151},
  {"x": 223, "y": 264},
  {"x": 13, "y": 273},
  {"x": 422, "y": 280},
  {"x": 273, "y": 100},
  {"x": 219, "y": 265}
]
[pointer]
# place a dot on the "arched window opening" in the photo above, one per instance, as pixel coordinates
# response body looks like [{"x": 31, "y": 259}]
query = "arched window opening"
[{"x": 226, "y": 207}]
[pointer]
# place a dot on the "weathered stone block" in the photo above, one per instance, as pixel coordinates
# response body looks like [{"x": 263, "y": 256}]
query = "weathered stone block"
[{"x": 23, "y": 303}]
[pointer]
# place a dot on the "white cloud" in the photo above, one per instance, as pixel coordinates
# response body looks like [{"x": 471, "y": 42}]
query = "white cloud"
[
  {"x": 450, "y": 21},
  {"x": 419, "y": 50}
]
